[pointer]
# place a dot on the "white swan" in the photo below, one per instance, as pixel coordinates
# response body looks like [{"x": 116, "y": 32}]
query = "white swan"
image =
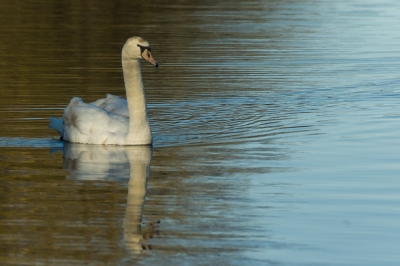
[{"x": 112, "y": 120}]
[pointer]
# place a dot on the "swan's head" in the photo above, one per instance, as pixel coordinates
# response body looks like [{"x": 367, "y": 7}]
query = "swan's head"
[{"x": 136, "y": 48}]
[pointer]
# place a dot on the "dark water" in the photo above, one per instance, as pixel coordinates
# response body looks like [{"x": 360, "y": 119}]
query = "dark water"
[{"x": 276, "y": 129}]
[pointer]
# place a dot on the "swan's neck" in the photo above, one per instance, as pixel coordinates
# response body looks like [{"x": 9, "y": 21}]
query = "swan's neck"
[{"x": 139, "y": 128}]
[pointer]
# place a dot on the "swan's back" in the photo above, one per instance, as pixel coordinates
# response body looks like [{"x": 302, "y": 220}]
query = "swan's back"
[
  {"x": 113, "y": 104},
  {"x": 88, "y": 123}
]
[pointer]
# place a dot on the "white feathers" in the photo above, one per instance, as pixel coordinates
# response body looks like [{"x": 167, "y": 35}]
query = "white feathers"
[
  {"x": 112, "y": 120},
  {"x": 88, "y": 123},
  {"x": 113, "y": 104}
]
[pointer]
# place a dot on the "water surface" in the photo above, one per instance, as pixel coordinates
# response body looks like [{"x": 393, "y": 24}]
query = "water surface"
[{"x": 275, "y": 134}]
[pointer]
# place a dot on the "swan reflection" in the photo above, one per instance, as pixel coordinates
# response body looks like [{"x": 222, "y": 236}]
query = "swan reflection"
[{"x": 112, "y": 163}]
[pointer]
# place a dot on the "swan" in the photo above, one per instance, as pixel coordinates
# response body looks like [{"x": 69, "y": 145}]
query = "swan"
[{"x": 112, "y": 120}]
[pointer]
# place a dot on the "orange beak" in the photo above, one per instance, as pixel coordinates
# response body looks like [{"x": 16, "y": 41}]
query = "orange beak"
[{"x": 146, "y": 55}]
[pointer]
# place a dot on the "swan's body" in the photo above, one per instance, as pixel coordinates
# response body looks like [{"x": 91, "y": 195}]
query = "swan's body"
[{"x": 112, "y": 120}]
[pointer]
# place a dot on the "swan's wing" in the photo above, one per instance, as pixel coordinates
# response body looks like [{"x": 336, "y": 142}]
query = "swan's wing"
[
  {"x": 113, "y": 104},
  {"x": 88, "y": 123}
]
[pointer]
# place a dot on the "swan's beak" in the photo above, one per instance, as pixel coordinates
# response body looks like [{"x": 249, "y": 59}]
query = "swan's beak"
[{"x": 146, "y": 55}]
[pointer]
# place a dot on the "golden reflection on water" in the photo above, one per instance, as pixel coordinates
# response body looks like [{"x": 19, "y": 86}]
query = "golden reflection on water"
[
  {"x": 93, "y": 207},
  {"x": 47, "y": 219}
]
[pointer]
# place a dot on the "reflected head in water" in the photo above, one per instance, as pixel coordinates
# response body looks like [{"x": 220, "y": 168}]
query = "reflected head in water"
[{"x": 117, "y": 163}]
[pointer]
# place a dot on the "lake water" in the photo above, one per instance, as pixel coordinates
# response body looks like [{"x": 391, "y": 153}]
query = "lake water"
[{"x": 276, "y": 134}]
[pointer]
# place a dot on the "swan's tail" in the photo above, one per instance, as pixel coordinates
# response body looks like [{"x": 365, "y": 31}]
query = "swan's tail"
[{"x": 57, "y": 124}]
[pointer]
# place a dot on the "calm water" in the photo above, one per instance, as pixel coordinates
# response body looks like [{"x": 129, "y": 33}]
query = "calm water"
[{"x": 276, "y": 128}]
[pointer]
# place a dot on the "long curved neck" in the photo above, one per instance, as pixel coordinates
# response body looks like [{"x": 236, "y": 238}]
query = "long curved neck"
[{"x": 139, "y": 128}]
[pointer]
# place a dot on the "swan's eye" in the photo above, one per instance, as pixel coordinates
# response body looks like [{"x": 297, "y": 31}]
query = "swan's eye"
[{"x": 148, "y": 54}]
